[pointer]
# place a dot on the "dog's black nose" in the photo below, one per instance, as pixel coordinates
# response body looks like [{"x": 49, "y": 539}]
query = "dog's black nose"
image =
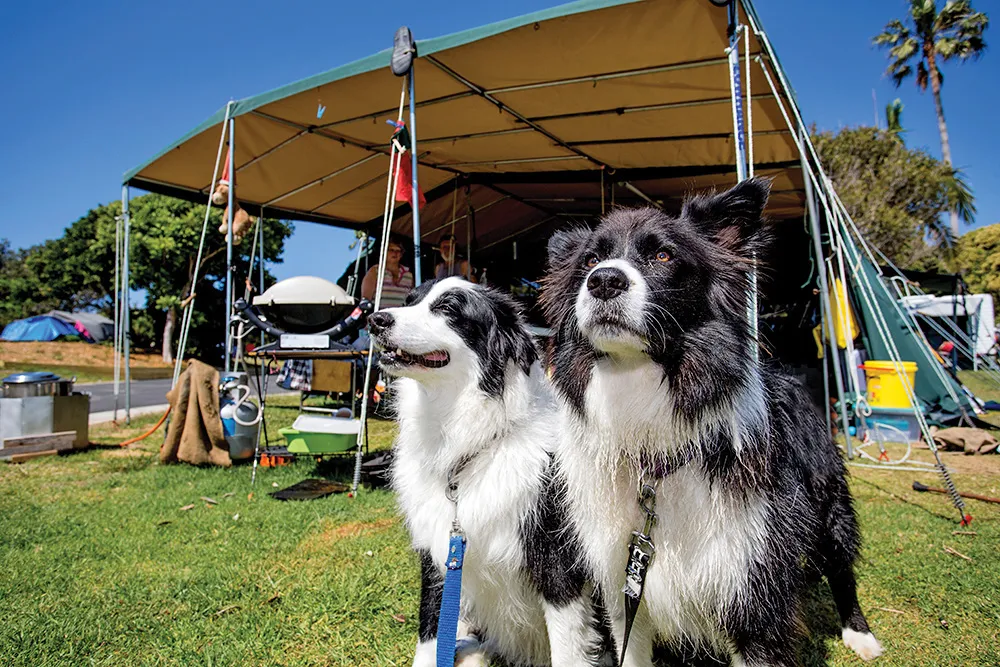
[
  {"x": 379, "y": 322},
  {"x": 606, "y": 283}
]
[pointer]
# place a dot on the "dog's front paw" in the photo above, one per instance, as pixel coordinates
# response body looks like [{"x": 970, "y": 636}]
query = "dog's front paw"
[
  {"x": 469, "y": 652},
  {"x": 426, "y": 655},
  {"x": 862, "y": 643}
]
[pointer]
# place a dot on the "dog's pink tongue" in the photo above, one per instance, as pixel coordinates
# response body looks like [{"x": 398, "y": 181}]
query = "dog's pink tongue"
[{"x": 436, "y": 356}]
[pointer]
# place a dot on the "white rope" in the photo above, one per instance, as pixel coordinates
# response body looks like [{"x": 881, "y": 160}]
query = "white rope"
[
  {"x": 913, "y": 331},
  {"x": 749, "y": 102},
  {"x": 882, "y": 466},
  {"x": 964, "y": 344},
  {"x": 806, "y": 142},
  {"x": 189, "y": 308},
  {"x": 897, "y": 363},
  {"x": 395, "y": 158},
  {"x": 823, "y": 190}
]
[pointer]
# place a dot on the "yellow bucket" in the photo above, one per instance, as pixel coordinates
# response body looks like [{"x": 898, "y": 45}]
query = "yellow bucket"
[{"x": 885, "y": 387}]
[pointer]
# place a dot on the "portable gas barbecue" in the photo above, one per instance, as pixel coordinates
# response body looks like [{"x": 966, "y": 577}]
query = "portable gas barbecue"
[{"x": 304, "y": 313}]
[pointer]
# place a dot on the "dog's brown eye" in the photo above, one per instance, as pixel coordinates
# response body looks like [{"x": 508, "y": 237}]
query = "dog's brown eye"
[
  {"x": 663, "y": 256},
  {"x": 591, "y": 261}
]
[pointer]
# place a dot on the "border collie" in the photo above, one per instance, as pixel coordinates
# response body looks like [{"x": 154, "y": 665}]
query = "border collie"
[
  {"x": 653, "y": 360},
  {"x": 474, "y": 407}
]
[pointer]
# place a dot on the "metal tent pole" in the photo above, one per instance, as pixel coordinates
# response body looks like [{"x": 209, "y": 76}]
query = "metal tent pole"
[
  {"x": 229, "y": 240},
  {"x": 826, "y": 308},
  {"x": 117, "y": 312},
  {"x": 126, "y": 314},
  {"x": 742, "y": 170},
  {"x": 260, "y": 268},
  {"x": 414, "y": 184}
]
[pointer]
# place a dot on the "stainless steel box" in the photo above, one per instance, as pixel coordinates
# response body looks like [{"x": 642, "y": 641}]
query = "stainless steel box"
[{"x": 41, "y": 415}]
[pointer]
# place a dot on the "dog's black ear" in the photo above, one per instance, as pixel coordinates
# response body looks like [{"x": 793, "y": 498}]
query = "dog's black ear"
[
  {"x": 417, "y": 294},
  {"x": 565, "y": 243},
  {"x": 733, "y": 216}
]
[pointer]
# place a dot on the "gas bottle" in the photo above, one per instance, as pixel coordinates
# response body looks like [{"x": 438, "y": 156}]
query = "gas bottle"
[{"x": 240, "y": 416}]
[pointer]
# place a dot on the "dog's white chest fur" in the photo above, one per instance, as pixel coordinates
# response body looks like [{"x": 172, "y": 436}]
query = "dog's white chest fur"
[
  {"x": 705, "y": 537},
  {"x": 498, "y": 490}
]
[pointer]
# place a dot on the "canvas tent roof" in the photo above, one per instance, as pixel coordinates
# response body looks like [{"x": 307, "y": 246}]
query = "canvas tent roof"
[{"x": 528, "y": 112}]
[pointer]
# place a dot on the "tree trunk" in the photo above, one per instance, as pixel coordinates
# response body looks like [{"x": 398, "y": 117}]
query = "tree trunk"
[
  {"x": 935, "y": 78},
  {"x": 168, "y": 336}
]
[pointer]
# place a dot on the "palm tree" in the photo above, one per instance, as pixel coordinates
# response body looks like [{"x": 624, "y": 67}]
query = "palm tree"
[
  {"x": 932, "y": 36},
  {"x": 894, "y": 118}
]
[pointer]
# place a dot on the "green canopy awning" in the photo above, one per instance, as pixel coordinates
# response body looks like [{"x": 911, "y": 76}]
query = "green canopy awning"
[{"x": 541, "y": 116}]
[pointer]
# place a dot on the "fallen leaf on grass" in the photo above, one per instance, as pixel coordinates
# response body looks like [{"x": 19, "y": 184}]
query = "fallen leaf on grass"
[
  {"x": 949, "y": 550},
  {"x": 187, "y": 507},
  {"x": 226, "y": 610},
  {"x": 399, "y": 618},
  {"x": 964, "y": 532},
  {"x": 231, "y": 493},
  {"x": 890, "y": 610},
  {"x": 210, "y": 501}
]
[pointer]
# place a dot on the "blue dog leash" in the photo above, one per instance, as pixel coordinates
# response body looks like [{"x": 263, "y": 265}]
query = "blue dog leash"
[
  {"x": 450, "y": 599},
  {"x": 451, "y": 596}
]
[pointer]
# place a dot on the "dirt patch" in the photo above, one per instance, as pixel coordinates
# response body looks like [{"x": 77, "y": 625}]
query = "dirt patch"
[
  {"x": 57, "y": 353},
  {"x": 321, "y": 542},
  {"x": 965, "y": 464},
  {"x": 125, "y": 452}
]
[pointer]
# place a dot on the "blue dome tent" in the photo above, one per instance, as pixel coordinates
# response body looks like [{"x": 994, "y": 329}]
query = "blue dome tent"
[{"x": 38, "y": 328}]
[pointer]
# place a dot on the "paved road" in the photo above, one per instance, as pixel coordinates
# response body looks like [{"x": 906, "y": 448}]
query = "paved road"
[{"x": 144, "y": 392}]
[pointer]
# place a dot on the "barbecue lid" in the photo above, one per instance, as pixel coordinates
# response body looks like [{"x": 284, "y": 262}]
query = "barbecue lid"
[
  {"x": 32, "y": 377},
  {"x": 302, "y": 290}
]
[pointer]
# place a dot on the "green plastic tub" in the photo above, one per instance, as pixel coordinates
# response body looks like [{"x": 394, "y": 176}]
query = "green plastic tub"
[{"x": 318, "y": 434}]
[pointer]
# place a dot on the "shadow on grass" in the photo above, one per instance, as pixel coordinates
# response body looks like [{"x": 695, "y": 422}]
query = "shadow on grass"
[
  {"x": 820, "y": 624},
  {"x": 904, "y": 500}
]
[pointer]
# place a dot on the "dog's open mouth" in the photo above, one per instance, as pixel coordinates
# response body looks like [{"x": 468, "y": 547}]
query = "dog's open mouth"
[{"x": 400, "y": 357}]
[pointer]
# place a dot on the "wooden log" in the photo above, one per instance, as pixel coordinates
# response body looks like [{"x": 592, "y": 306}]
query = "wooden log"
[
  {"x": 20, "y": 458},
  {"x": 28, "y": 444}
]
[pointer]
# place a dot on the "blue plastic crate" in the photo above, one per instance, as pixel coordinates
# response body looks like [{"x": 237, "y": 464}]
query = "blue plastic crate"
[{"x": 893, "y": 424}]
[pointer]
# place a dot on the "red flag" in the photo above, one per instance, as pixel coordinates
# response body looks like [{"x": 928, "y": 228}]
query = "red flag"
[{"x": 404, "y": 182}]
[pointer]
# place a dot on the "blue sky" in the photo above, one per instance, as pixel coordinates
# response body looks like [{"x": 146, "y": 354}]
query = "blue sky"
[{"x": 93, "y": 89}]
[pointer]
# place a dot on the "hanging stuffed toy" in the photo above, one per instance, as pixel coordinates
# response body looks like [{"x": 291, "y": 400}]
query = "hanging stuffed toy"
[{"x": 242, "y": 221}]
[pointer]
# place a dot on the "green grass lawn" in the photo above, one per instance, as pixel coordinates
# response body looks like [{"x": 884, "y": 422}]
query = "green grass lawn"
[{"x": 102, "y": 567}]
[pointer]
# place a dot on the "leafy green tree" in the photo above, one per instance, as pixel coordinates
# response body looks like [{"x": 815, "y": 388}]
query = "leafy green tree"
[
  {"x": 20, "y": 290},
  {"x": 931, "y": 37},
  {"x": 895, "y": 194},
  {"x": 77, "y": 270},
  {"x": 977, "y": 258}
]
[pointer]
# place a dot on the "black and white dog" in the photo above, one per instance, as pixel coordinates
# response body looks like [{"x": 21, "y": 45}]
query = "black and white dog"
[
  {"x": 475, "y": 408},
  {"x": 653, "y": 359}
]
